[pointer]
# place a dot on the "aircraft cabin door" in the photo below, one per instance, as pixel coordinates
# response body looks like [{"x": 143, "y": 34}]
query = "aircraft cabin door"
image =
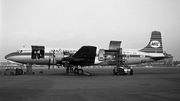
[{"x": 37, "y": 52}]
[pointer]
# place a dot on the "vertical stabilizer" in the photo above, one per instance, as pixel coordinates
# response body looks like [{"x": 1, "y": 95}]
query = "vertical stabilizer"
[{"x": 155, "y": 44}]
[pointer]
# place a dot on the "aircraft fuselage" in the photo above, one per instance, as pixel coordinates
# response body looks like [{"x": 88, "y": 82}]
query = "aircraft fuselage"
[{"x": 130, "y": 57}]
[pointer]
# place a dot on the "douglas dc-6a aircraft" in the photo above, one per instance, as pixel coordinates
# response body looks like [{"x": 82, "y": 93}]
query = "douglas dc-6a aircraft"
[{"x": 90, "y": 55}]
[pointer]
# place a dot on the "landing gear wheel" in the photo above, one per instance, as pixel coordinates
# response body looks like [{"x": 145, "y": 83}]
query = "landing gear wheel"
[
  {"x": 75, "y": 71},
  {"x": 121, "y": 71},
  {"x": 131, "y": 72},
  {"x": 80, "y": 72},
  {"x": 67, "y": 70},
  {"x": 11, "y": 73},
  {"x": 114, "y": 72},
  {"x": 125, "y": 73},
  {"x": 21, "y": 72}
]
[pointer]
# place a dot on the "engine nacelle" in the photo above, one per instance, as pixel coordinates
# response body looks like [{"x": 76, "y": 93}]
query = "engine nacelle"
[
  {"x": 58, "y": 56},
  {"x": 101, "y": 55},
  {"x": 52, "y": 61},
  {"x": 106, "y": 54}
]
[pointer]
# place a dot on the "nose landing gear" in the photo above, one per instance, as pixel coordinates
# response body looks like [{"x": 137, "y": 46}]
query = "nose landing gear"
[{"x": 29, "y": 69}]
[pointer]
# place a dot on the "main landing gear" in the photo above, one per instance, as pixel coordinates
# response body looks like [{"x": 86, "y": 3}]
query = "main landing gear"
[
  {"x": 78, "y": 71},
  {"x": 71, "y": 70}
]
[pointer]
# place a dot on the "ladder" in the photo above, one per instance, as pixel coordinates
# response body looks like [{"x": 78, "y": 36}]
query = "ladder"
[{"x": 119, "y": 58}]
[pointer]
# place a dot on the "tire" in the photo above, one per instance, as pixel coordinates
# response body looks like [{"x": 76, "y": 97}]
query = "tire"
[
  {"x": 21, "y": 72},
  {"x": 11, "y": 73},
  {"x": 125, "y": 73},
  {"x": 80, "y": 72},
  {"x": 121, "y": 71},
  {"x": 75, "y": 71},
  {"x": 131, "y": 72},
  {"x": 114, "y": 73}
]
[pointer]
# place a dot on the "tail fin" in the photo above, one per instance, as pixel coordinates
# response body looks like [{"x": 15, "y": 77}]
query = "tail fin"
[
  {"x": 155, "y": 44},
  {"x": 87, "y": 52}
]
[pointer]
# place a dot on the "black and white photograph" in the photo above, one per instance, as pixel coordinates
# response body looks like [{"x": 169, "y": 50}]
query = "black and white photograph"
[{"x": 89, "y": 50}]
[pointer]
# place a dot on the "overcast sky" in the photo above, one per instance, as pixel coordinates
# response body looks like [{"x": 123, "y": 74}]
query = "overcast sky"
[{"x": 73, "y": 23}]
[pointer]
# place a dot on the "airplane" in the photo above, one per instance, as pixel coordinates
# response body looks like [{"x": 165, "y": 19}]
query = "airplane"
[{"x": 90, "y": 55}]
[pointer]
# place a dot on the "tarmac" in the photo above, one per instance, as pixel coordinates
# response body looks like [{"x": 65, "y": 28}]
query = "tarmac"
[{"x": 147, "y": 84}]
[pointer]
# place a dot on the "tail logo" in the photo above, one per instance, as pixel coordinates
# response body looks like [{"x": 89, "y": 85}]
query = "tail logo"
[{"x": 155, "y": 44}]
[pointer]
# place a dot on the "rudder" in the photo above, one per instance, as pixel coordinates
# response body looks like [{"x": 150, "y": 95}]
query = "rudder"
[{"x": 155, "y": 44}]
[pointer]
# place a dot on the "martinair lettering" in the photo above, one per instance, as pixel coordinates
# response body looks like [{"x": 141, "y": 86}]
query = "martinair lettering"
[
  {"x": 129, "y": 52},
  {"x": 55, "y": 50},
  {"x": 69, "y": 51},
  {"x": 155, "y": 44},
  {"x": 60, "y": 50}
]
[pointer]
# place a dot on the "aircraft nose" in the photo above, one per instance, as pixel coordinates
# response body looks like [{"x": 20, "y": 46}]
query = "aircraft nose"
[{"x": 8, "y": 56}]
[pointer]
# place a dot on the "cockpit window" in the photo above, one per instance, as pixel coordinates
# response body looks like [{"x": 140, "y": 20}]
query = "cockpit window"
[{"x": 19, "y": 51}]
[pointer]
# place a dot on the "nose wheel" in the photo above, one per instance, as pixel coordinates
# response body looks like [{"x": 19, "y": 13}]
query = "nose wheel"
[{"x": 29, "y": 69}]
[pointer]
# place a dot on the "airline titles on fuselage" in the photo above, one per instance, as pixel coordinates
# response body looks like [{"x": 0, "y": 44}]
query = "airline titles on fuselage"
[
  {"x": 64, "y": 51},
  {"x": 51, "y": 51}
]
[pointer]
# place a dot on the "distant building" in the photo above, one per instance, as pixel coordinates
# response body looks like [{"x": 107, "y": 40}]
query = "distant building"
[{"x": 7, "y": 63}]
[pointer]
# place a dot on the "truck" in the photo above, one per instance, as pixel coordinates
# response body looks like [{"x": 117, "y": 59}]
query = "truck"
[{"x": 13, "y": 71}]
